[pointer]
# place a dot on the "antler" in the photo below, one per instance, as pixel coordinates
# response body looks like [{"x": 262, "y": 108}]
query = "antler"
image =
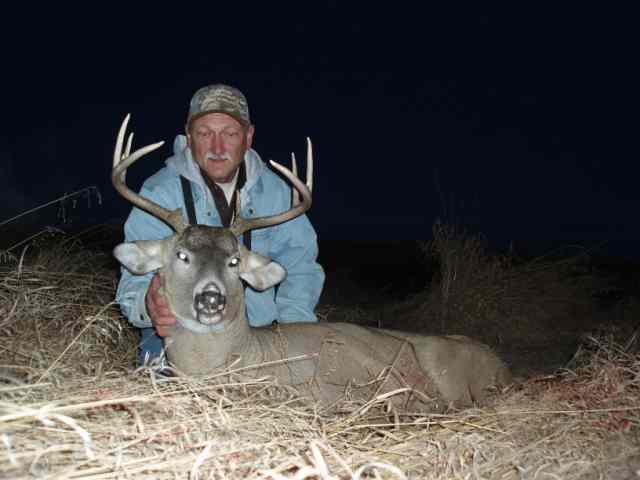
[
  {"x": 241, "y": 225},
  {"x": 121, "y": 162}
]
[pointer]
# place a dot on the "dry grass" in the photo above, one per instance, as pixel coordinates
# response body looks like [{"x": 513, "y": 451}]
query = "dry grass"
[
  {"x": 499, "y": 297},
  {"x": 84, "y": 412},
  {"x": 57, "y": 318}
]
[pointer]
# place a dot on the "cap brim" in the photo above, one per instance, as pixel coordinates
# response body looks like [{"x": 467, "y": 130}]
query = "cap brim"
[{"x": 206, "y": 112}]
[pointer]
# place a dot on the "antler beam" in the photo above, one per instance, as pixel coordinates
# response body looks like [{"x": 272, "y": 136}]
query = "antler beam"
[
  {"x": 241, "y": 225},
  {"x": 121, "y": 162}
]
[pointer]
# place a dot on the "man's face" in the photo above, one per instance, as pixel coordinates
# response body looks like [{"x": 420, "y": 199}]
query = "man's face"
[{"x": 218, "y": 143}]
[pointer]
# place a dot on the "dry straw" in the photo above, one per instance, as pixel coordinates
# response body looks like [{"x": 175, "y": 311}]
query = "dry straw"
[
  {"x": 500, "y": 296},
  {"x": 72, "y": 405}
]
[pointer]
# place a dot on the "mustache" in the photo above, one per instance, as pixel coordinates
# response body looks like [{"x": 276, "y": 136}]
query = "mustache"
[{"x": 215, "y": 156}]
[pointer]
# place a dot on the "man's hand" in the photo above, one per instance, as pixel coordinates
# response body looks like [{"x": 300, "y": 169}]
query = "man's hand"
[{"x": 162, "y": 318}]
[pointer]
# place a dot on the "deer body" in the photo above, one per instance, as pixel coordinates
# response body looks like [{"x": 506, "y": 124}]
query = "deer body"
[
  {"x": 204, "y": 269},
  {"x": 321, "y": 360}
]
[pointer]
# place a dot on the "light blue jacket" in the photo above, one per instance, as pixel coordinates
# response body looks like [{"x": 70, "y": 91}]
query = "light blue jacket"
[{"x": 292, "y": 244}]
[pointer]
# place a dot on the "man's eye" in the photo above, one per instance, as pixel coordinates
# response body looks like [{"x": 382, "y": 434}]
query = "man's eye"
[{"x": 234, "y": 262}]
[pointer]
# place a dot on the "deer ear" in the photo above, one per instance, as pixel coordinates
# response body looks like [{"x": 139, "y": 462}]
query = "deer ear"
[
  {"x": 140, "y": 257},
  {"x": 259, "y": 271}
]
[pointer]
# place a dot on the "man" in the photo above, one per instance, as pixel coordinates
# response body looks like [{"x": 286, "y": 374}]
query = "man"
[{"x": 210, "y": 166}]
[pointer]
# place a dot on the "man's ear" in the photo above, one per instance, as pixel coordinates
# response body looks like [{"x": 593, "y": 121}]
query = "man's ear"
[
  {"x": 142, "y": 256},
  {"x": 250, "y": 131},
  {"x": 259, "y": 271}
]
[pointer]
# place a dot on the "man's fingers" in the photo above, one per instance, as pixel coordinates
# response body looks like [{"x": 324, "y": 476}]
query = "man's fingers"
[
  {"x": 163, "y": 331},
  {"x": 160, "y": 300},
  {"x": 166, "y": 320},
  {"x": 155, "y": 284},
  {"x": 162, "y": 317}
]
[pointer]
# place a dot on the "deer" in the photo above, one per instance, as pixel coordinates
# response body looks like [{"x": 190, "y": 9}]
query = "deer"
[{"x": 206, "y": 270}]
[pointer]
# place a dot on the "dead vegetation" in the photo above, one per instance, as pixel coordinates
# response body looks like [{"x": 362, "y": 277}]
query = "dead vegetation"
[
  {"x": 57, "y": 318},
  {"x": 499, "y": 297},
  {"x": 72, "y": 405}
]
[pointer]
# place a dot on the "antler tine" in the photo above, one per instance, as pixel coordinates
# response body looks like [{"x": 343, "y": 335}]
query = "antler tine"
[
  {"x": 121, "y": 162},
  {"x": 127, "y": 150},
  {"x": 241, "y": 225},
  {"x": 309, "y": 165},
  {"x": 294, "y": 170},
  {"x": 117, "y": 153}
]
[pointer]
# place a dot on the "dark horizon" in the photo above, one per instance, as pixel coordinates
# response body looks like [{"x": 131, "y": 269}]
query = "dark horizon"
[{"x": 517, "y": 124}]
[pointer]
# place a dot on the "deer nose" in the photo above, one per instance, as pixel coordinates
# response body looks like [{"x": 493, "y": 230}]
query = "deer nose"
[{"x": 210, "y": 300}]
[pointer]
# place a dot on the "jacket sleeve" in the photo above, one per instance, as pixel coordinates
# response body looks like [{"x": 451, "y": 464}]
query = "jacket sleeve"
[
  {"x": 295, "y": 247},
  {"x": 140, "y": 225}
]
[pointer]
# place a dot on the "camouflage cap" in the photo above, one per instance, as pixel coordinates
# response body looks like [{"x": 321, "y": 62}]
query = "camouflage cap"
[{"x": 219, "y": 98}]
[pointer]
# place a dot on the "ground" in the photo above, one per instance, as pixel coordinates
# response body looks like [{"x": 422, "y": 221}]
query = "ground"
[{"x": 84, "y": 411}]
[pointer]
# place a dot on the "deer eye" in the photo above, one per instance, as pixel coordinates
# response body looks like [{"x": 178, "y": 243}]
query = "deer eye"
[
  {"x": 183, "y": 256},
  {"x": 234, "y": 262}
]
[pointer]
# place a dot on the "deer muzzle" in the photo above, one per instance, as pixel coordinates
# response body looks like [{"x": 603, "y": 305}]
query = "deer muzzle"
[{"x": 209, "y": 304}]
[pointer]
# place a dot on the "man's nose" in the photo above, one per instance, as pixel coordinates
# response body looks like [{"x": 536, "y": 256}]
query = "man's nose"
[{"x": 217, "y": 145}]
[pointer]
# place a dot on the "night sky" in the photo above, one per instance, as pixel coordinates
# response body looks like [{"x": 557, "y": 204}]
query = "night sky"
[{"x": 519, "y": 123}]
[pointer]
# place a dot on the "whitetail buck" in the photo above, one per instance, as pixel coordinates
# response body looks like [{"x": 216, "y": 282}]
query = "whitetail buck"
[{"x": 204, "y": 268}]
